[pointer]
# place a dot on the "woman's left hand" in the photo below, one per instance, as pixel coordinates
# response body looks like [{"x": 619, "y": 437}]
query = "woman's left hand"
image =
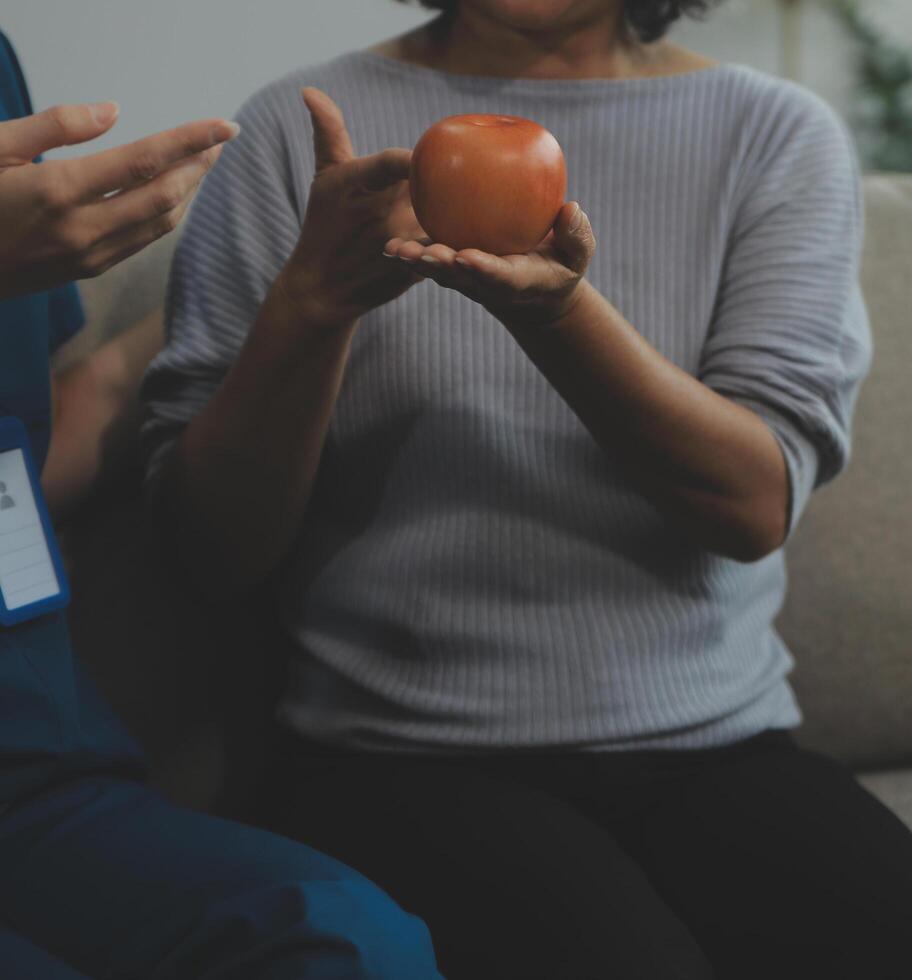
[{"x": 536, "y": 288}]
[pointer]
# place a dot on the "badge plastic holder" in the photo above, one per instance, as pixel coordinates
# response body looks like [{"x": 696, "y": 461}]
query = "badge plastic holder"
[{"x": 32, "y": 577}]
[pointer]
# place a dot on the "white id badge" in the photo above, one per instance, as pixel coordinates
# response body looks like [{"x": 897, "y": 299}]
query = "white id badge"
[{"x": 32, "y": 577}]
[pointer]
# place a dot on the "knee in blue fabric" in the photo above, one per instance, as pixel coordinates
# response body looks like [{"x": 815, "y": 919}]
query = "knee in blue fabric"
[
  {"x": 24, "y": 961},
  {"x": 130, "y": 886},
  {"x": 331, "y": 929}
]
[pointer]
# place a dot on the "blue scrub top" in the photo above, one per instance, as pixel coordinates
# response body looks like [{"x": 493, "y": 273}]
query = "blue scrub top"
[
  {"x": 36, "y": 325},
  {"x": 53, "y": 723}
]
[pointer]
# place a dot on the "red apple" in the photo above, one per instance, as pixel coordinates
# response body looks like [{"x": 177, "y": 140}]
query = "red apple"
[{"x": 489, "y": 182}]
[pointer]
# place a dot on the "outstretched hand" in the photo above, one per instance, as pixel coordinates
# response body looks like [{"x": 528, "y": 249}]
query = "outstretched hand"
[
  {"x": 536, "y": 287},
  {"x": 73, "y": 219}
]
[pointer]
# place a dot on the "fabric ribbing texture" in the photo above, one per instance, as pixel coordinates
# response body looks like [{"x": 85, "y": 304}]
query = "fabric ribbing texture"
[{"x": 474, "y": 572}]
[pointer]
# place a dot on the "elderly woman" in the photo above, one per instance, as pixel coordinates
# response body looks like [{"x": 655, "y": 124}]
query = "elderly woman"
[{"x": 524, "y": 514}]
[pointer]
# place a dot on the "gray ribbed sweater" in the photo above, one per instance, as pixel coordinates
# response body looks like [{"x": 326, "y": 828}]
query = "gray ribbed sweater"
[{"x": 475, "y": 572}]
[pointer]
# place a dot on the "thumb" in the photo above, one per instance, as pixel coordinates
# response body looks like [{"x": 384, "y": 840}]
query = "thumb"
[
  {"x": 383, "y": 169},
  {"x": 21, "y": 140},
  {"x": 573, "y": 236},
  {"x": 331, "y": 140}
]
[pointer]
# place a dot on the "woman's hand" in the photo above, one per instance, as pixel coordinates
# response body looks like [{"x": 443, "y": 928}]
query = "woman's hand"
[
  {"x": 74, "y": 219},
  {"x": 337, "y": 273},
  {"x": 273, "y": 409},
  {"x": 538, "y": 287}
]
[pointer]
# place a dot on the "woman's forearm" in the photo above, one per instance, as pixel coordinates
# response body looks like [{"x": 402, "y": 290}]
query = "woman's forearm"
[
  {"x": 239, "y": 479},
  {"x": 711, "y": 464}
]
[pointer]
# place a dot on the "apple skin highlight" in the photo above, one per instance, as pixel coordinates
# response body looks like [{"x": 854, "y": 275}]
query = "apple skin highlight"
[{"x": 491, "y": 182}]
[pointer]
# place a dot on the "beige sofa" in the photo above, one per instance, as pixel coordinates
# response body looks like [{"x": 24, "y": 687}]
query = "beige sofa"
[{"x": 195, "y": 683}]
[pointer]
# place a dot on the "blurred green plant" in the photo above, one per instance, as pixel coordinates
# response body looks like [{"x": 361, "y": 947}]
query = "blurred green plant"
[{"x": 882, "y": 110}]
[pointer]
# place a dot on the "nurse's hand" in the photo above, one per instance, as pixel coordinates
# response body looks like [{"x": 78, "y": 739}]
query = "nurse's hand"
[
  {"x": 535, "y": 288},
  {"x": 73, "y": 219}
]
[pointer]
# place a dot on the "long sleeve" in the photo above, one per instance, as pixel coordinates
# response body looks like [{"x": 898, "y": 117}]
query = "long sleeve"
[
  {"x": 790, "y": 336},
  {"x": 241, "y": 231}
]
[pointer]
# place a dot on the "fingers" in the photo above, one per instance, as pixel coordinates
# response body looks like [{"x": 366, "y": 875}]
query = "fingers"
[
  {"x": 383, "y": 169},
  {"x": 434, "y": 261},
  {"x": 494, "y": 268},
  {"x": 573, "y": 237},
  {"x": 536, "y": 286},
  {"x": 395, "y": 246},
  {"x": 440, "y": 260},
  {"x": 137, "y": 163},
  {"x": 420, "y": 251},
  {"x": 116, "y": 248},
  {"x": 157, "y": 197},
  {"x": 492, "y": 280},
  {"x": 332, "y": 146},
  {"x": 21, "y": 140},
  {"x": 332, "y": 143}
]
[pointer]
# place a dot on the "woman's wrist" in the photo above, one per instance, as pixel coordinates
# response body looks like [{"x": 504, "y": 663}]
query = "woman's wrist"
[
  {"x": 304, "y": 311},
  {"x": 548, "y": 317}
]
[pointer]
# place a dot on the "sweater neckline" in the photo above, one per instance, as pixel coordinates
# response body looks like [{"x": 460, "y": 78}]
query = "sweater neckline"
[{"x": 537, "y": 86}]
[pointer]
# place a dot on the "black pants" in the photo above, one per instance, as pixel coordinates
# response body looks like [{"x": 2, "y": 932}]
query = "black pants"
[{"x": 758, "y": 860}]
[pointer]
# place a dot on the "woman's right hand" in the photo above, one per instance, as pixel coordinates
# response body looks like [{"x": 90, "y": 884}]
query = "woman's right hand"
[
  {"x": 273, "y": 408},
  {"x": 337, "y": 271},
  {"x": 73, "y": 219}
]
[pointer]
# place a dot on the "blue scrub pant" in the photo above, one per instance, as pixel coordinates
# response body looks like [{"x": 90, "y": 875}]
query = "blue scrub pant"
[
  {"x": 23, "y": 961},
  {"x": 103, "y": 878}
]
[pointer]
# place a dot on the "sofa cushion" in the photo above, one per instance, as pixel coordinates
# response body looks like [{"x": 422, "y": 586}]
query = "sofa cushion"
[
  {"x": 848, "y": 615},
  {"x": 121, "y": 297},
  {"x": 894, "y": 789}
]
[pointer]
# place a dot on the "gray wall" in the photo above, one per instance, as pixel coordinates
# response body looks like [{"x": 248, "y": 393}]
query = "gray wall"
[{"x": 167, "y": 61}]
